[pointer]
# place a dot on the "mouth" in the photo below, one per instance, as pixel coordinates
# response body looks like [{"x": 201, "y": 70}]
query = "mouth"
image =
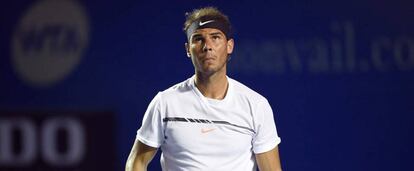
[
  {"x": 208, "y": 59},
  {"x": 210, "y": 55}
]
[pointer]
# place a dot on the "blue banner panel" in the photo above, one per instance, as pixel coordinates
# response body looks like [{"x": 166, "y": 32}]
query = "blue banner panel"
[{"x": 338, "y": 75}]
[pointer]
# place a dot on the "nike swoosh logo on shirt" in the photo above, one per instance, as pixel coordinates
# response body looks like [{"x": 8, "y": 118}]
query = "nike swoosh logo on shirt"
[
  {"x": 204, "y": 121},
  {"x": 203, "y": 131},
  {"x": 205, "y": 22}
]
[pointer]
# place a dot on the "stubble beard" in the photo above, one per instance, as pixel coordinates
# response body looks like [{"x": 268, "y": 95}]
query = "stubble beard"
[{"x": 211, "y": 70}]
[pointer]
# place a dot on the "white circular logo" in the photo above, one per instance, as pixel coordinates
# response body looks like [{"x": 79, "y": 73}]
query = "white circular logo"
[{"x": 49, "y": 41}]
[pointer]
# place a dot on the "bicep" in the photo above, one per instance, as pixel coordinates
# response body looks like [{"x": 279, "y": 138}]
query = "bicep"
[
  {"x": 140, "y": 156},
  {"x": 269, "y": 161}
]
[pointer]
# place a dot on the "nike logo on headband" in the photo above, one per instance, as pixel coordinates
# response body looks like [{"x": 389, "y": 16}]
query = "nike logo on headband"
[{"x": 205, "y": 22}]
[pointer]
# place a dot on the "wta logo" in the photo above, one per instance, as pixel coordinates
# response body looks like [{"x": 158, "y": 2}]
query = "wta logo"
[{"x": 49, "y": 41}]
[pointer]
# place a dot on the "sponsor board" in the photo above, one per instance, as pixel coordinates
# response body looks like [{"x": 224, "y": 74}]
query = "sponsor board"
[{"x": 67, "y": 141}]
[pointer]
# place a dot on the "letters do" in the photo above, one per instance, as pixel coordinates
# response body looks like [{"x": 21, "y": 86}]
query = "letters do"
[{"x": 41, "y": 141}]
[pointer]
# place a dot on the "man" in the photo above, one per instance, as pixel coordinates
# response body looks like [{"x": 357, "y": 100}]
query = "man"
[{"x": 210, "y": 121}]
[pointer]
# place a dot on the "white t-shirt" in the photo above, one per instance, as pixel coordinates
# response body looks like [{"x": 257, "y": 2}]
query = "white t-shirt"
[{"x": 199, "y": 133}]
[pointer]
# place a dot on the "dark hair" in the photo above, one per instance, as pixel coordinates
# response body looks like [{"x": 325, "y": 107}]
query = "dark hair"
[{"x": 206, "y": 12}]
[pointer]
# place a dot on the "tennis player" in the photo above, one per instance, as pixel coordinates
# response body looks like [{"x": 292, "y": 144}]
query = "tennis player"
[{"x": 209, "y": 122}]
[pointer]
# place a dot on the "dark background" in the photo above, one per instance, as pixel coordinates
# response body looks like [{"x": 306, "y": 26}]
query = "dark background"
[{"x": 338, "y": 75}]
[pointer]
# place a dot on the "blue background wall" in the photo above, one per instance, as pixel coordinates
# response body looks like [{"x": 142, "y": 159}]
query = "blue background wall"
[{"x": 339, "y": 75}]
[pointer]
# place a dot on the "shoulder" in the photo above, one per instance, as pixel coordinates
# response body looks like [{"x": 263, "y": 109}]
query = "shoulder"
[
  {"x": 242, "y": 91},
  {"x": 177, "y": 89}
]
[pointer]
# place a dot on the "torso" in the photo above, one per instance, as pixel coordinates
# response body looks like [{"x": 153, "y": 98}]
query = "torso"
[{"x": 207, "y": 134}]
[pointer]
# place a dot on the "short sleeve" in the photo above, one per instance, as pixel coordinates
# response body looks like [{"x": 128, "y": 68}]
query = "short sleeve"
[
  {"x": 151, "y": 132},
  {"x": 266, "y": 137}
]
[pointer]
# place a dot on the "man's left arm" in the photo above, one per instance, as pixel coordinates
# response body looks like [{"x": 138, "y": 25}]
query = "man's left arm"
[{"x": 269, "y": 161}]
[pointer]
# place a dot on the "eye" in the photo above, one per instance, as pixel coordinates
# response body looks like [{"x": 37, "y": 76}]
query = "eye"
[
  {"x": 216, "y": 37},
  {"x": 197, "y": 38}
]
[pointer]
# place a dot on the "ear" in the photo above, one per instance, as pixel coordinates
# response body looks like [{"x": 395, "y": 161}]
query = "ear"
[
  {"x": 187, "y": 49},
  {"x": 230, "y": 46}
]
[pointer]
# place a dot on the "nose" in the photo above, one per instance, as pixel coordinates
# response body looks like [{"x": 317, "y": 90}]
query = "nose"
[{"x": 207, "y": 45}]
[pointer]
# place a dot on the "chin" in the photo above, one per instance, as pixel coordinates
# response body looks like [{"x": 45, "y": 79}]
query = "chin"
[
  {"x": 207, "y": 70},
  {"x": 208, "y": 67}
]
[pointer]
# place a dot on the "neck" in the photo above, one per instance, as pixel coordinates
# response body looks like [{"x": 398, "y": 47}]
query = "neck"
[{"x": 212, "y": 86}]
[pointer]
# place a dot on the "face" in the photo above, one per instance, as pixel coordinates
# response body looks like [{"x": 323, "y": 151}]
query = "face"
[{"x": 208, "y": 49}]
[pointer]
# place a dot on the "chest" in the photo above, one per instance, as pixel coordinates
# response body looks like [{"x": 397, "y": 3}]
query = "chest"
[{"x": 208, "y": 131}]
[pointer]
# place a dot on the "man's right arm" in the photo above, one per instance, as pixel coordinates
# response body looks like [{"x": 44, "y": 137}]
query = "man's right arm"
[{"x": 140, "y": 156}]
